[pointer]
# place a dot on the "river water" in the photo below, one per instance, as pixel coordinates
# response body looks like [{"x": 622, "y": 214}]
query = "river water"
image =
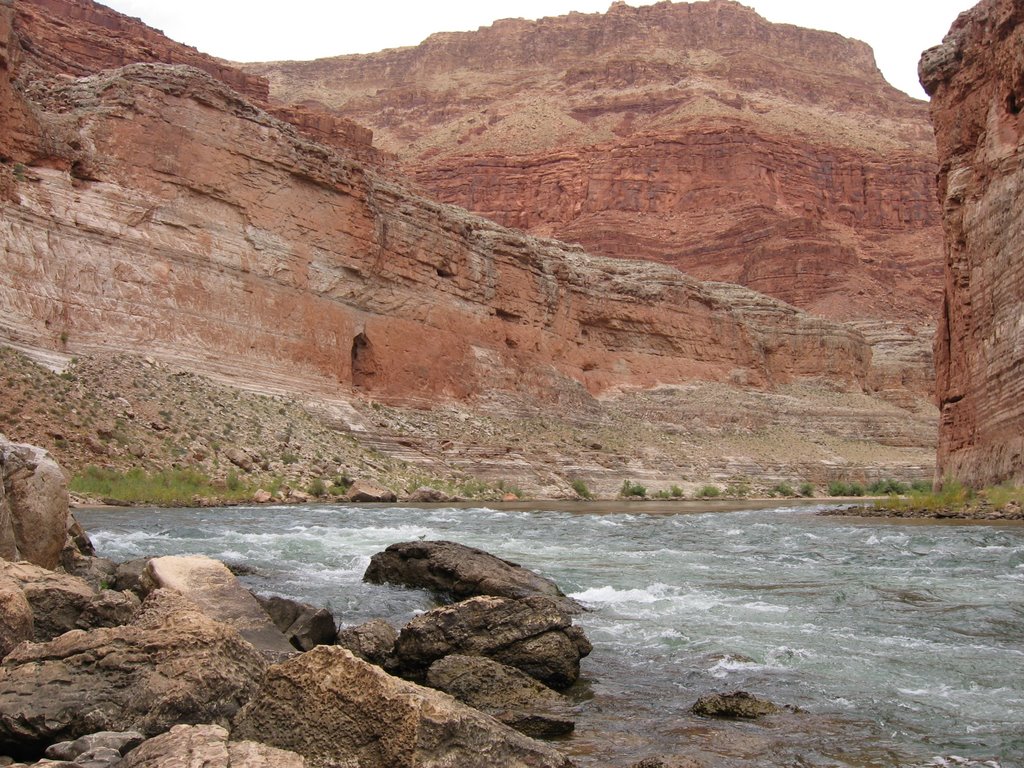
[{"x": 903, "y": 643}]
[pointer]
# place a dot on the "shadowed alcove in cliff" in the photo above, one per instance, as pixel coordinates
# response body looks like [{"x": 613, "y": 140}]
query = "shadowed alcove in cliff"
[{"x": 365, "y": 368}]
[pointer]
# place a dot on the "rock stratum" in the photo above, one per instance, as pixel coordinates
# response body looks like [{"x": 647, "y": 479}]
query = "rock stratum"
[
  {"x": 694, "y": 134},
  {"x": 159, "y": 208},
  {"x": 976, "y": 81}
]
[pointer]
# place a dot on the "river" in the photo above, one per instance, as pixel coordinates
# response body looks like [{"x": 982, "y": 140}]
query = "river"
[{"x": 903, "y": 643}]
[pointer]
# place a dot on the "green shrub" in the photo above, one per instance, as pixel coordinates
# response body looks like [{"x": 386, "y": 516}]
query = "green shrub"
[
  {"x": 739, "y": 490},
  {"x": 317, "y": 488},
  {"x": 676, "y": 492},
  {"x": 581, "y": 489},
  {"x": 855, "y": 489},
  {"x": 806, "y": 490},
  {"x": 288, "y": 457},
  {"x": 631, "y": 490},
  {"x": 709, "y": 492},
  {"x": 838, "y": 488},
  {"x": 232, "y": 481},
  {"x": 782, "y": 489},
  {"x": 167, "y": 487},
  {"x": 887, "y": 487}
]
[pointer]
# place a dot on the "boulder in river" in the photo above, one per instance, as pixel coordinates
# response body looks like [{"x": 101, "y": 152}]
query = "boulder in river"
[
  {"x": 505, "y": 693},
  {"x": 534, "y": 635},
  {"x": 171, "y": 665},
  {"x": 337, "y": 710},
  {"x": 305, "y": 625},
  {"x": 457, "y": 572},
  {"x": 737, "y": 705},
  {"x": 33, "y": 505}
]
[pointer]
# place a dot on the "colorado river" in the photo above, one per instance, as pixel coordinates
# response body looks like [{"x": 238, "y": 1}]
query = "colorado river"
[{"x": 902, "y": 643}]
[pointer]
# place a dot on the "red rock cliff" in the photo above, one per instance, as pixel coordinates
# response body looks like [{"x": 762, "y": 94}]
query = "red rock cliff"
[
  {"x": 697, "y": 135},
  {"x": 976, "y": 80},
  {"x": 172, "y": 215}
]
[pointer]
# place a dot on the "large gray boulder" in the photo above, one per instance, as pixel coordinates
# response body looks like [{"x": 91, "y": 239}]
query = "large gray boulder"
[
  {"x": 217, "y": 592},
  {"x": 33, "y": 505},
  {"x": 534, "y": 635},
  {"x": 505, "y": 693},
  {"x": 456, "y": 572},
  {"x": 172, "y": 665},
  {"x": 337, "y": 710},
  {"x": 207, "y": 746}
]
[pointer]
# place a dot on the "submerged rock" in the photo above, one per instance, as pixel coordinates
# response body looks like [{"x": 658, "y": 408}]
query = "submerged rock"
[
  {"x": 739, "y": 705},
  {"x": 336, "y": 710},
  {"x": 534, "y": 635},
  {"x": 457, "y": 572}
]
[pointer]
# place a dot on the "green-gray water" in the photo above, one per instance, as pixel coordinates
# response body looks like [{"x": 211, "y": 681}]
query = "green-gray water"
[{"x": 904, "y": 643}]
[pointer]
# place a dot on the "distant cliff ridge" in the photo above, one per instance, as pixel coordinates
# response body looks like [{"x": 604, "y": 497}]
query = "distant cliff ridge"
[
  {"x": 976, "y": 81},
  {"x": 694, "y": 134}
]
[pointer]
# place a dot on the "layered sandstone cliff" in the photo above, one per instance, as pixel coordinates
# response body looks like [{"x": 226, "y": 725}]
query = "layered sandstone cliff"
[
  {"x": 153, "y": 209},
  {"x": 694, "y": 134},
  {"x": 976, "y": 80}
]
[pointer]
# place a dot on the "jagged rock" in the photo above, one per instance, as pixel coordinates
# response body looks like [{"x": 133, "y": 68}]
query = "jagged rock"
[
  {"x": 262, "y": 496},
  {"x": 97, "y": 572},
  {"x": 362, "y": 492},
  {"x": 211, "y": 586},
  {"x": 458, "y": 572},
  {"x": 373, "y": 641},
  {"x": 33, "y": 505},
  {"x": 305, "y": 626},
  {"x": 172, "y": 665},
  {"x": 207, "y": 746},
  {"x": 15, "y": 616},
  {"x": 109, "y": 608},
  {"x": 511, "y": 696},
  {"x": 977, "y": 90},
  {"x": 57, "y": 599},
  {"x": 121, "y": 741},
  {"x": 532, "y": 634},
  {"x": 669, "y": 762},
  {"x": 427, "y": 495},
  {"x": 338, "y": 710},
  {"x": 739, "y": 704}
]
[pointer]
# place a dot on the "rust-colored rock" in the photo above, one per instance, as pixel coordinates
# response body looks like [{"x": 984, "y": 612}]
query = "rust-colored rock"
[
  {"x": 976, "y": 81},
  {"x": 695, "y": 134}
]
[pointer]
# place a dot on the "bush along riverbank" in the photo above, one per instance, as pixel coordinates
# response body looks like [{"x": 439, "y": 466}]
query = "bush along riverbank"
[{"x": 952, "y": 501}]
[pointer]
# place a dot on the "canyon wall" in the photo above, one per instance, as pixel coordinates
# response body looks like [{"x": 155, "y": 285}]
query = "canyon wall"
[
  {"x": 976, "y": 81},
  {"x": 694, "y": 134},
  {"x": 172, "y": 215}
]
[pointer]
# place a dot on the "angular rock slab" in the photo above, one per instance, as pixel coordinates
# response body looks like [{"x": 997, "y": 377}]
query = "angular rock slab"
[
  {"x": 511, "y": 696},
  {"x": 15, "y": 617},
  {"x": 172, "y": 665},
  {"x": 218, "y": 593},
  {"x": 57, "y": 599},
  {"x": 207, "y": 746},
  {"x": 458, "y": 572},
  {"x": 533, "y": 635},
  {"x": 33, "y": 505},
  {"x": 337, "y": 710},
  {"x": 372, "y": 641}
]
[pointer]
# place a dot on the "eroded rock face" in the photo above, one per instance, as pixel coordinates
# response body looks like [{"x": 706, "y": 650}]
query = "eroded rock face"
[
  {"x": 33, "y": 505},
  {"x": 976, "y": 81},
  {"x": 207, "y": 746},
  {"x": 171, "y": 665},
  {"x": 457, "y": 572},
  {"x": 532, "y": 634},
  {"x": 696, "y": 134},
  {"x": 334, "y": 709}
]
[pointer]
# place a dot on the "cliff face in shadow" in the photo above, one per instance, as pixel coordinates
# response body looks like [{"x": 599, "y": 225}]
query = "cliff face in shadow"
[{"x": 976, "y": 80}]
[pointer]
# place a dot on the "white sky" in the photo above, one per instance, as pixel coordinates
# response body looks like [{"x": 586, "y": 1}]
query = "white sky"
[{"x": 267, "y": 30}]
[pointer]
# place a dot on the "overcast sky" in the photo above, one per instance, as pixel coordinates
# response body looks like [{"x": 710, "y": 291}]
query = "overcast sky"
[{"x": 265, "y": 30}]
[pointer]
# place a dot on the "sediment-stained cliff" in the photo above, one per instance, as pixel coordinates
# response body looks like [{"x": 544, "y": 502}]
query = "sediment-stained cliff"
[
  {"x": 694, "y": 134},
  {"x": 976, "y": 81}
]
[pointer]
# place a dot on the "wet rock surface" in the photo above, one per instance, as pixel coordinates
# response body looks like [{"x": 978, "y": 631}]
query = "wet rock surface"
[
  {"x": 456, "y": 572},
  {"x": 737, "y": 705}
]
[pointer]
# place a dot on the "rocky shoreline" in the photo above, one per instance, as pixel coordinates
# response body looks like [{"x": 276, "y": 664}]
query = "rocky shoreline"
[
  {"x": 982, "y": 511},
  {"x": 153, "y": 662}
]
